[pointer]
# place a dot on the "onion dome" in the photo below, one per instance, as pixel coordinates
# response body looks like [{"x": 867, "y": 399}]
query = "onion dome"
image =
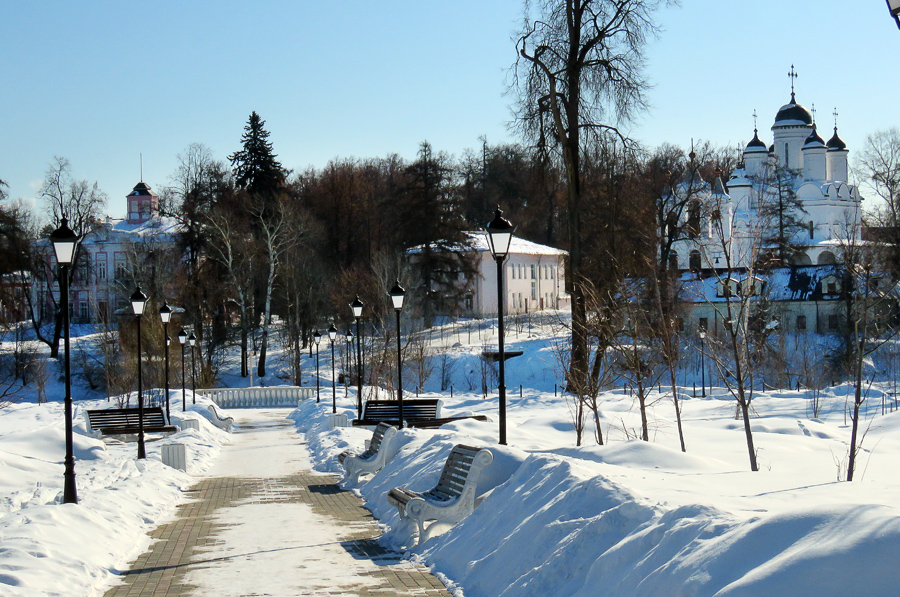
[
  {"x": 793, "y": 114},
  {"x": 772, "y": 148},
  {"x": 836, "y": 143},
  {"x": 755, "y": 144},
  {"x": 814, "y": 140}
]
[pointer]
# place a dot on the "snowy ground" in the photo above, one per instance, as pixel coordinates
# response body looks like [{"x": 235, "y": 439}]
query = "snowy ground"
[{"x": 627, "y": 518}]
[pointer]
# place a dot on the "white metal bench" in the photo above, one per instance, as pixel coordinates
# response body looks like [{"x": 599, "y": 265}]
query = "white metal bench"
[
  {"x": 221, "y": 422},
  {"x": 452, "y": 499},
  {"x": 373, "y": 459}
]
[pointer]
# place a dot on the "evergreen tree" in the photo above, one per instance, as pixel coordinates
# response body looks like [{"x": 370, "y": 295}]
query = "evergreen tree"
[
  {"x": 782, "y": 213},
  {"x": 255, "y": 168}
]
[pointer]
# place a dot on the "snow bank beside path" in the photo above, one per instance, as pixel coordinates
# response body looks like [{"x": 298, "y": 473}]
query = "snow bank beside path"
[
  {"x": 50, "y": 548},
  {"x": 634, "y": 518}
]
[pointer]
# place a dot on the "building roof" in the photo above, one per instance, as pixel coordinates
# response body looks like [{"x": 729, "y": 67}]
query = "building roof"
[
  {"x": 836, "y": 143},
  {"x": 755, "y": 143},
  {"x": 142, "y": 189},
  {"x": 477, "y": 241},
  {"x": 814, "y": 140},
  {"x": 792, "y": 114}
]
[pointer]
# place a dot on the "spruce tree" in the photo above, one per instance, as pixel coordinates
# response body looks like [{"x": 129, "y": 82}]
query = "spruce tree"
[{"x": 255, "y": 168}]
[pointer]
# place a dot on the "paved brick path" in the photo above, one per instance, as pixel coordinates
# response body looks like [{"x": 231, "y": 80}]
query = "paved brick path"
[{"x": 264, "y": 536}]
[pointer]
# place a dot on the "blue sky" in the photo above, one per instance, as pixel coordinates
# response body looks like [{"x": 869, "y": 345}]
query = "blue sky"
[{"x": 103, "y": 82}]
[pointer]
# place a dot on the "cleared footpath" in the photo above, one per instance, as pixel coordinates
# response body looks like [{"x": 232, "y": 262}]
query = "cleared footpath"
[{"x": 261, "y": 522}]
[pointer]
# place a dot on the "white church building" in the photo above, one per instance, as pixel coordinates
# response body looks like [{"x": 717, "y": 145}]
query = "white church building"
[
  {"x": 816, "y": 172},
  {"x": 718, "y": 258}
]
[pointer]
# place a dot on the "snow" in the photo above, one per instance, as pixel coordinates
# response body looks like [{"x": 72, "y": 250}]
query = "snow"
[{"x": 553, "y": 518}]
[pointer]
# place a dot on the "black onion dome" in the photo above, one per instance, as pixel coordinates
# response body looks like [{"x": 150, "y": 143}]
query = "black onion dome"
[
  {"x": 814, "y": 138},
  {"x": 755, "y": 142},
  {"x": 836, "y": 143},
  {"x": 793, "y": 111}
]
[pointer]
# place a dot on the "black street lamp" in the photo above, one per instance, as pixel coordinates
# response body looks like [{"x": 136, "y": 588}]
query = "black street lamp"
[
  {"x": 317, "y": 337},
  {"x": 332, "y": 334},
  {"x": 65, "y": 242},
  {"x": 165, "y": 313},
  {"x": 702, "y": 363},
  {"x": 894, "y": 7},
  {"x": 500, "y": 233},
  {"x": 357, "y": 306},
  {"x": 138, "y": 302},
  {"x": 192, "y": 340},
  {"x": 182, "y": 339},
  {"x": 348, "y": 361},
  {"x": 397, "y": 294}
]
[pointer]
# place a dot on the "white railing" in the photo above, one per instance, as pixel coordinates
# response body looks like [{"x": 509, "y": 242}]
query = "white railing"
[{"x": 262, "y": 397}]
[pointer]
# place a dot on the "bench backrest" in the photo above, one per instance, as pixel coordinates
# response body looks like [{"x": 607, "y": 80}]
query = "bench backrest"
[
  {"x": 377, "y": 438},
  {"x": 126, "y": 417},
  {"x": 456, "y": 471},
  {"x": 414, "y": 409}
]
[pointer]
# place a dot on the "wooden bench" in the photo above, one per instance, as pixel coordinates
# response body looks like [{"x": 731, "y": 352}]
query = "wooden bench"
[
  {"x": 452, "y": 499},
  {"x": 220, "y": 422},
  {"x": 373, "y": 459},
  {"x": 120, "y": 421},
  {"x": 417, "y": 412}
]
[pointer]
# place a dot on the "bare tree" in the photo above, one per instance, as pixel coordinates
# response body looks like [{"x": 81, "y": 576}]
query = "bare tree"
[
  {"x": 868, "y": 295},
  {"x": 578, "y": 74},
  {"x": 230, "y": 244},
  {"x": 878, "y": 167},
  {"x": 81, "y": 203}
]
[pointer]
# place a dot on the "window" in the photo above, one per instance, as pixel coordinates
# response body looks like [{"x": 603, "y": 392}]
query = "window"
[
  {"x": 833, "y": 322},
  {"x": 84, "y": 312},
  {"x": 787, "y": 160},
  {"x": 693, "y": 223},
  {"x": 673, "y": 260},
  {"x": 812, "y": 229},
  {"x": 552, "y": 272},
  {"x": 120, "y": 269},
  {"x": 703, "y": 324},
  {"x": 533, "y": 290},
  {"x": 533, "y": 272},
  {"x": 679, "y": 324},
  {"x": 801, "y": 322},
  {"x": 695, "y": 261},
  {"x": 101, "y": 270}
]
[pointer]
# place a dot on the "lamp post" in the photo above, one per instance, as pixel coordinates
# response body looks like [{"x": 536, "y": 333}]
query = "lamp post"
[
  {"x": 317, "y": 337},
  {"x": 894, "y": 7},
  {"x": 348, "y": 361},
  {"x": 165, "y": 313},
  {"x": 500, "y": 233},
  {"x": 138, "y": 302},
  {"x": 357, "y": 306},
  {"x": 397, "y": 294},
  {"x": 192, "y": 340},
  {"x": 702, "y": 363},
  {"x": 182, "y": 338},
  {"x": 332, "y": 334},
  {"x": 64, "y": 243}
]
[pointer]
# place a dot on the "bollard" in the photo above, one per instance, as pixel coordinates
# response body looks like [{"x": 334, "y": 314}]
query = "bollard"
[
  {"x": 520, "y": 391},
  {"x": 451, "y": 391},
  {"x": 174, "y": 455},
  {"x": 190, "y": 424}
]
